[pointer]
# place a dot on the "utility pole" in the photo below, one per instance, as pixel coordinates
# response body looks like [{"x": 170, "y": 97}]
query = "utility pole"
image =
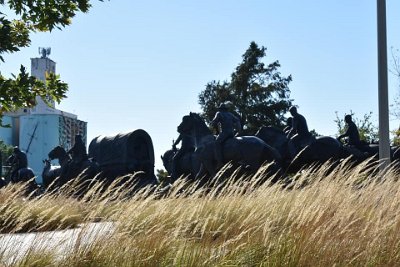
[{"x": 384, "y": 145}]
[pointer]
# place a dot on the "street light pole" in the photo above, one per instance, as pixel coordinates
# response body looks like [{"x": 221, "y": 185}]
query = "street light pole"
[{"x": 384, "y": 145}]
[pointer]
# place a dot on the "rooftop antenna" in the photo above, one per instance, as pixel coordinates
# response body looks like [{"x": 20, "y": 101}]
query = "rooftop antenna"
[{"x": 44, "y": 52}]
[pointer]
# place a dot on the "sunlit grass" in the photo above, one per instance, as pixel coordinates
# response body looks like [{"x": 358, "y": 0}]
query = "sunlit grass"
[{"x": 322, "y": 217}]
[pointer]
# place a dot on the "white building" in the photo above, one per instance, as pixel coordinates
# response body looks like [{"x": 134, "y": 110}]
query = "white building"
[{"x": 41, "y": 128}]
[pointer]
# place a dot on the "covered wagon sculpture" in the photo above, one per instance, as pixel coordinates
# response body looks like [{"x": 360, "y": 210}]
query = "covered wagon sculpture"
[{"x": 124, "y": 154}]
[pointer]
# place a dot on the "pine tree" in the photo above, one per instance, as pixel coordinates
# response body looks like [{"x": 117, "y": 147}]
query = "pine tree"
[{"x": 258, "y": 93}]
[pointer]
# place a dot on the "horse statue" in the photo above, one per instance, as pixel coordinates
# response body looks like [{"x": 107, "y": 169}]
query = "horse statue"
[
  {"x": 67, "y": 169},
  {"x": 16, "y": 176},
  {"x": 188, "y": 165},
  {"x": 49, "y": 173},
  {"x": 318, "y": 150},
  {"x": 248, "y": 151},
  {"x": 23, "y": 175},
  {"x": 322, "y": 149}
]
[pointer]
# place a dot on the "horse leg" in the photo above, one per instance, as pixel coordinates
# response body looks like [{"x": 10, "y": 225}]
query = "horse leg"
[
  {"x": 209, "y": 166},
  {"x": 205, "y": 169},
  {"x": 202, "y": 176},
  {"x": 200, "y": 173},
  {"x": 195, "y": 167}
]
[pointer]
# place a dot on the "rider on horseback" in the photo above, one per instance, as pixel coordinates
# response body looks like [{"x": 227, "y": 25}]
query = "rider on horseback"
[
  {"x": 186, "y": 147},
  {"x": 78, "y": 151},
  {"x": 299, "y": 133},
  {"x": 78, "y": 156},
  {"x": 18, "y": 160},
  {"x": 226, "y": 123},
  {"x": 351, "y": 132}
]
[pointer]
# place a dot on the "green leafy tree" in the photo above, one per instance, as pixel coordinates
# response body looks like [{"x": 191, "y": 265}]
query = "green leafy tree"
[
  {"x": 367, "y": 129},
  {"x": 31, "y": 16},
  {"x": 5, "y": 151},
  {"x": 314, "y": 133},
  {"x": 258, "y": 93},
  {"x": 396, "y": 137}
]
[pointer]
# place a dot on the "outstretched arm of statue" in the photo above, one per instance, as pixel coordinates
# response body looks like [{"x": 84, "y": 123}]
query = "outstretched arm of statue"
[
  {"x": 179, "y": 139},
  {"x": 344, "y": 135},
  {"x": 215, "y": 120}
]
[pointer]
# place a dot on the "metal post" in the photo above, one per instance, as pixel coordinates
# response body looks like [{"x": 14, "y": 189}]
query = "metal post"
[{"x": 384, "y": 145}]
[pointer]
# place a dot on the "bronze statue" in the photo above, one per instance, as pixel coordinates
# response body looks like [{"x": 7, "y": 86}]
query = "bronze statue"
[
  {"x": 351, "y": 133},
  {"x": 226, "y": 123},
  {"x": 68, "y": 170},
  {"x": 187, "y": 165},
  {"x": 248, "y": 151},
  {"x": 187, "y": 146},
  {"x": 50, "y": 173},
  {"x": 18, "y": 161},
  {"x": 320, "y": 150},
  {"x": 78, "y": 151},
  {"x": 298, "y": 134}
]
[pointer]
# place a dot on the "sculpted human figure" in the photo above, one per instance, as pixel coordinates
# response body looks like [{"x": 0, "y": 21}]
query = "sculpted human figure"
[
  {"x": 78, "y": 151},
  {"x": 226, "y": 123},
  {"x": 298, "y": 133},
  {"x": 18, "y": 160},
  {"x": 351, "y": 133},
  {"x": 186, "y": 147}
]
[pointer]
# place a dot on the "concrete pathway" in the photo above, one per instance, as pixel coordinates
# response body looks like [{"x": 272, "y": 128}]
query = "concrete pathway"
[{"x": 14, "y": 247}]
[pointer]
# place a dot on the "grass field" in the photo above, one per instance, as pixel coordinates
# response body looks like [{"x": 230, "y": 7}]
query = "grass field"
[{"x": 326, "y": 217}]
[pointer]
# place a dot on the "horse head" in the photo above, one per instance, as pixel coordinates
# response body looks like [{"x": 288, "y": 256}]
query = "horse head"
[
  {"x": 272, "y": 136},
  {"x": 193, "y": 123},
  {"x": 186, "y": 124},
  {"x": 59, "y": 153},
  {"x": 199, "y": 122}
]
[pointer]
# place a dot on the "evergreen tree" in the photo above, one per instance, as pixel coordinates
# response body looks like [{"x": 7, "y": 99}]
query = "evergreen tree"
[{"x": 258, "y": 93}]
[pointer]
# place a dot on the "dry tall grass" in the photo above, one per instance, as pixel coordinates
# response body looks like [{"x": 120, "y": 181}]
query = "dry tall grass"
[{"x": 329, "y": 217}]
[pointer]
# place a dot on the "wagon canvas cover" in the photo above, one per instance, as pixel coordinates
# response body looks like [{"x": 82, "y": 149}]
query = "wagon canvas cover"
[{"x": 125, "y": 153}]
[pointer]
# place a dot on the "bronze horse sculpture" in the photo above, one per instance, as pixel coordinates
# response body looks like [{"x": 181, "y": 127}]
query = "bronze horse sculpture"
[
  {"x": 50, "y": 173},
  {"x": 67, "y": 169},
  {"x": 24, "y": 175},
  {"x": 188, "y": 165},
  {"x": 248, "y": 151},
  {"x": 87, "y": 171},
  {"x": 320, "y": 150}
]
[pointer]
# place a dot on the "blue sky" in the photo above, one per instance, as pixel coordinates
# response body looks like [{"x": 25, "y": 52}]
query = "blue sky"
[{"x": 141, "y": 64}]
